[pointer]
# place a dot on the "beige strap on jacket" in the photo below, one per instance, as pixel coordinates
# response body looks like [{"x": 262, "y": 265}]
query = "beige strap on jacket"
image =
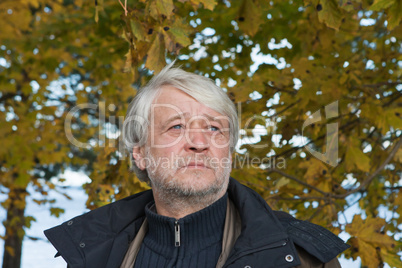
[
  {"x": 231, "y": 232},
  {"x": 132, "y": 251}
]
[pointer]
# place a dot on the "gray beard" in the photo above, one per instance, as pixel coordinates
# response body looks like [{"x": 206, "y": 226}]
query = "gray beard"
[{"x": 179, "y": 197}]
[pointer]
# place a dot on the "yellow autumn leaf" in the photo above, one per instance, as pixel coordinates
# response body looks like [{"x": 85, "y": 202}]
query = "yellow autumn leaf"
[
  {"x": 365, "y": 251},
  {"x": 391, "y": 258},
  {"x": 394, "y": 118},
  {"x": 153, "y": 10},
  {"x": 355, "y": 158},
  {"x": 281, "y": 182},
  {"x": 370, "y": 231},
  {"x": 128, "y": 63},
  {"x": 367, "y": 237},
  {"x": 156, "y": 55},
  {"x": 105, "y": 191},
  {"x": 33, "y": 3},
  {"x": 398, "y": 155},
  {"x": 208, "y": 4},
  {"x": 315, "y": 168}
]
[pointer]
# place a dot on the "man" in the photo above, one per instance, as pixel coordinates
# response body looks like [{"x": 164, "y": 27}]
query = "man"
[{"x": 182, "y": 130}]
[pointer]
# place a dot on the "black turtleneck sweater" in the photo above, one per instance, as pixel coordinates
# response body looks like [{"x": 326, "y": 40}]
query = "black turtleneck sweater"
[{"x": 193, "y": 241}]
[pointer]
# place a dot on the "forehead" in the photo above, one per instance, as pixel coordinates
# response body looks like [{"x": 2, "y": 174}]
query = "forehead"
[
  {"x": 170, "y": 94},
  {"x": 171, "y": 100}
]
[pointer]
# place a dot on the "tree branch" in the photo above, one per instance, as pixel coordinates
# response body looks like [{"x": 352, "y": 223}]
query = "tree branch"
[
  {"x": 392, "y": 99},
  {"x": 299, "y": 198},
  {"x": 298, "y": 180},
  {"x": 293, "y": 149},
  {"x": 362, "y": 186},
  {"x": 367, "y": 182},
  {"x": 375, "y": 86},
  {"x": 124, "y": 7},
  {"x": 285, "y": 109}
]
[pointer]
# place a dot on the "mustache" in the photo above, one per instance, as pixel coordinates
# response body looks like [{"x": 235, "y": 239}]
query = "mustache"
[
  {"x": 201, "y": 161},
  {"x": 175, "y": 162},
  {"x": 178, "y": 162}
]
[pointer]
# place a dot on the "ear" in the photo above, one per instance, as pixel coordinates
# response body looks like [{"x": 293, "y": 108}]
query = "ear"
[{"x": 139, "y": 157}]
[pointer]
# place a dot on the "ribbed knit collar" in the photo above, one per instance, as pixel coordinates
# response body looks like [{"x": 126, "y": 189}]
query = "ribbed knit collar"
[{"x": 197, "y": 231}]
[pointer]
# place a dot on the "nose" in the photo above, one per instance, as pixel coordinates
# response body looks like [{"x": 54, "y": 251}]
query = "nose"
[{"x": 196, "y": 140}]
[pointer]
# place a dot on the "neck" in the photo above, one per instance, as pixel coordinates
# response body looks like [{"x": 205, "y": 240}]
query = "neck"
[{"x": 171, "y": 205}]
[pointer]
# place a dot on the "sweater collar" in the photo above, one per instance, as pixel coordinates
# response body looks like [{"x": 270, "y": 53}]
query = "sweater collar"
[{"x": 197, "y": 231}]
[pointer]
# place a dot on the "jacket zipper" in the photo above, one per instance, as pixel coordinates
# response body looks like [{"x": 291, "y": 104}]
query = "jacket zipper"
[{"x": 176, "y": 234}]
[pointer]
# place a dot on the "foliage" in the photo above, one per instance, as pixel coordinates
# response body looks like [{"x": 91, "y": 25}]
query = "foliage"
[
  {"x": 315, "y": 53},
  {"x": 280, "y": 62},
  {"x": 52, "y": 59}
]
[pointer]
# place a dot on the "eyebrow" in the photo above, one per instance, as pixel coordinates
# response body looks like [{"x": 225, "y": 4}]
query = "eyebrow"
[
  {"x": 173, "y": 118},
  {"x": 215, "y": 119},
  {"x": 183, "y": 115}
]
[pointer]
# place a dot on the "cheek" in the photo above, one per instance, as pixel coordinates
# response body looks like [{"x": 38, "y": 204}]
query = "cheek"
[
  {"x": 167, "y": 149},
  {"x": 220, "y": 140},
  {"x": 166, "y": 141}
]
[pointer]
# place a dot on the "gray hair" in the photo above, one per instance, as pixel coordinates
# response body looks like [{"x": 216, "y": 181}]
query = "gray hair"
[{"x": 202, "y": 89}]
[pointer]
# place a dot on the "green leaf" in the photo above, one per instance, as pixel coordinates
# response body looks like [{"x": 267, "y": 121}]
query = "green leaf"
[
  {"x": 28, "y": 221},
  {"x": 138, "y": 30},
  {"x": 180, "y": 36},
  {"x": 22, "y": 179},
  {"x": 56, "y": 212},
  {"x": 177, "y": 36},
  {"x": 349, "y": 5},
  {"x": 381, "y": 4},
  {"x": 250, "y": 17},
  {"x": 165, "y": 7},
  {"x": 394, "y": 15},
  {"x": 330, "y": 14}
]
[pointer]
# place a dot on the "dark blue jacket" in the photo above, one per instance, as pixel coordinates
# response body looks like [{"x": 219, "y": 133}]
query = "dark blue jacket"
[{"x": 100, "y": 238}]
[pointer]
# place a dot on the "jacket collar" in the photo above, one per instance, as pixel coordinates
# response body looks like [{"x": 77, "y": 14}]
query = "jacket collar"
[
  {"x": 260, "y": 228},
  {"x": 103, "y": 235}
]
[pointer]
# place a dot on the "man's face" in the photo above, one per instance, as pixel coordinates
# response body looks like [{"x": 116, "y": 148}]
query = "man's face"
[{"x": 187, "y": 152}]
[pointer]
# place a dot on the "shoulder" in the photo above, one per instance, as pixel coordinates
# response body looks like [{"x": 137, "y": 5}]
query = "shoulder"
[
  {"x": 102, "y": 226},
  {"x": 307, "y": 260},
  {"x": 313, "y": 239}
]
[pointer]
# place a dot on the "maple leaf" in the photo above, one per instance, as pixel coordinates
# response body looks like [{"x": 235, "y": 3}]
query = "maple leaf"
[
  {"x": 355, "y": 158},
  {"x": 156, "y": 54},
  {"x": 250, "y": 17},
  {"x": 368, "y": 238},
  {"x": 330, "y": 13}
]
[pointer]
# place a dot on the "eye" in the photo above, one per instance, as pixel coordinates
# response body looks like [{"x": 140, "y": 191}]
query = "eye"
[
  {"x": 177, "y": 127},
  {"x": 213, "y": 128}
]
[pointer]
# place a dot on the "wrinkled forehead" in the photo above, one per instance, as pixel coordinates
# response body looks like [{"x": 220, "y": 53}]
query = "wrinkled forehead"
[{"x": 171, "y": 101}]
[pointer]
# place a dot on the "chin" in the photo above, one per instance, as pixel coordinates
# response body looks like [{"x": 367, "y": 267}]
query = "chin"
[{"x": 198, "y": 184}]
